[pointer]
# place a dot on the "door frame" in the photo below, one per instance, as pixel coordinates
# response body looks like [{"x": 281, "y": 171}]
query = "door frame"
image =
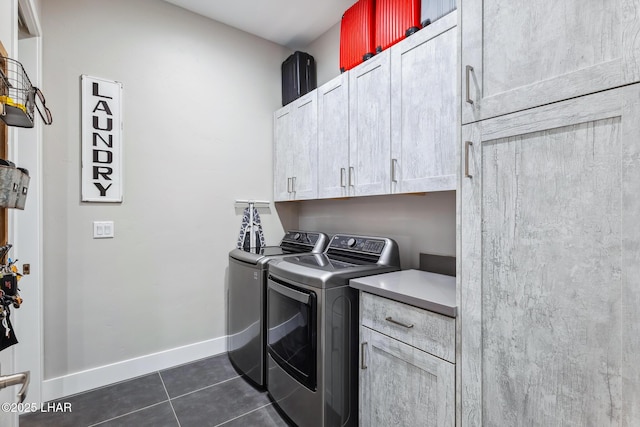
[{"x": 25, "y": 226}]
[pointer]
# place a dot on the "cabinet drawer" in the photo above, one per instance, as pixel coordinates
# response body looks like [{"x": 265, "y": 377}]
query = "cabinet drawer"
[{"x": 431, "y": 332}]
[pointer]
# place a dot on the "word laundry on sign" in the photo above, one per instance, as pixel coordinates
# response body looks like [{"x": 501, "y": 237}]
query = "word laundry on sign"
[
  {"x": 101, "y": 140},
  {"x": 102, "y": 153}
]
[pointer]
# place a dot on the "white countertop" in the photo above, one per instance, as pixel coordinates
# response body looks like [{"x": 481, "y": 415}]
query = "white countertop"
[{"x": 431, "y": 291}]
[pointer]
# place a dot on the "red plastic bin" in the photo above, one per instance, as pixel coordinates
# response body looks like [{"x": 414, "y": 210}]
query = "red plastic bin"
[
  {"x": 395, "y": 20},
  {"x": 356, "y": 34}
]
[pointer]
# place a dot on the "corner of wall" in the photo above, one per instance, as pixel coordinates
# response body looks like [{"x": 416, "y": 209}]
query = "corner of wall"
[
  {"x": 326, "y": 51},
  {"x": 288, "y": 213}
]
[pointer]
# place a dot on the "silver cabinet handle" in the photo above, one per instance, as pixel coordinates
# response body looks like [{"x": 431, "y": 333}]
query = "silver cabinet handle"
[
  {"x": 363, "y": 363},
  {"x": 394, "y": 170},
  {"x": 342, "y": 177},
  {"x": 352, "y": 172},
  {"x": 390, "y": 319},
  {"x": 467, "y": 144},
  {"x": 293, "y": 184},
  {"x": 288, "y": 185},
  {"x": 468, "y": 72}
]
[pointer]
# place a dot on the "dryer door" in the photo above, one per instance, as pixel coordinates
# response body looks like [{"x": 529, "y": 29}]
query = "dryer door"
[{"x": 291, "y": 330}]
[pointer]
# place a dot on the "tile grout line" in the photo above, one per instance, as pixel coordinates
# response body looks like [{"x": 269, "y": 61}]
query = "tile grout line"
[
  {"x": 246, "y": 413},
  {"x": 169, "y": 397},
  {"x": 80, "y": 393},
  {"x": 204, "y": 388},
  {"x": 169, "y": 400},
  {"x": 128, "y": 413}
]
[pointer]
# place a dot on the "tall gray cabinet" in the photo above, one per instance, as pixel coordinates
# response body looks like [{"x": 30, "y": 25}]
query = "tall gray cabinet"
[{"x": 549, "y": 195}]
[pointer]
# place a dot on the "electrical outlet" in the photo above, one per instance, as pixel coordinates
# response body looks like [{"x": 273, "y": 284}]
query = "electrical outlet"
[{"x": 26, "y": 269}]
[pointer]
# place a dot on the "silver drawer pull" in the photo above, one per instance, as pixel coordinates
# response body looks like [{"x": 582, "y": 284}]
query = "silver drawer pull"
[
  {"x": 394, "y": 169},
  {"x": 469, "y": 69},
  {"x": 363, "y": 363},
  {"x": 467, "y": 144},
  {"x": 390, "y": 319}
]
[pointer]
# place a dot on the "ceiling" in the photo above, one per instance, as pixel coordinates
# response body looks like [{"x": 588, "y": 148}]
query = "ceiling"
[{"x": 291, "y": 23}]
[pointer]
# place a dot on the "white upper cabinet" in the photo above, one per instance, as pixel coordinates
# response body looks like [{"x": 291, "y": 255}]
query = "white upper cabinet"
[
  {"x": 304, "y": 147},
  {"x": 333, "y": 137},
  {"x": 282, "y": 154},
  {"x": 296, "y": 150},
  {"x": 370, "y": 126},
  {"x": 522, "y": 54},
  {"x": 423, "y": 109},
  {"x": 385, "y": 126}
]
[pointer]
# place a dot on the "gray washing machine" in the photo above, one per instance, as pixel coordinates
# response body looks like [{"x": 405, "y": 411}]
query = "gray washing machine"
[
  {"x": 312, "y": 328},
  {"x": 246, "y": 305}
]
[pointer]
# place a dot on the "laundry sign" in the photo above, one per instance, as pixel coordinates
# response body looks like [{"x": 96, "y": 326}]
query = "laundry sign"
[{"x": 101, "y": 140}]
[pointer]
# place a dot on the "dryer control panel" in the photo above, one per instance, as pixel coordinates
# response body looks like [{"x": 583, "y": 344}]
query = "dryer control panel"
[{"x": 358, "y": 244}]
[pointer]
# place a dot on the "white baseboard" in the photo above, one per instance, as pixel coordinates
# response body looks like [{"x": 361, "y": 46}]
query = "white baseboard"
[{"x": 79, "y": 382}]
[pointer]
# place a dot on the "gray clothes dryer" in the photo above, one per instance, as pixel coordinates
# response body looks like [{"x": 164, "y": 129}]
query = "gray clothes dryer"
[{"x": 312, "y": 328}]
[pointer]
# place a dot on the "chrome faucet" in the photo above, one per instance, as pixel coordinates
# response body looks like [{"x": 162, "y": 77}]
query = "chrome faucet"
[{"x": 14, "y": 379}]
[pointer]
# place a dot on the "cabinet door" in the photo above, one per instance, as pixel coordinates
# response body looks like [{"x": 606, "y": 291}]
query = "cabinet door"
[
  {"x": 333, "y": 137},
  {"x": 423, "y": 109},
  {"x": 370, "y": 127},
  {"x": 304, "y": 147},
  {"x": 282, "y": 154},
  {"x": 550, "y": 260},
  {"x": 530, "y": 53},
  {"x": 401, "y": 385}
]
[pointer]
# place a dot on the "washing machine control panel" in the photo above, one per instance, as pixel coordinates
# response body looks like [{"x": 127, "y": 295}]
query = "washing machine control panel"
[
  {"x": 301, "y": 237},
  {"x": 304, "y": 241},
  {"x": 358, "y": 244}
]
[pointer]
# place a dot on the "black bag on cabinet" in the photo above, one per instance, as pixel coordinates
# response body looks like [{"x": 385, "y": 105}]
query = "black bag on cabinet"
[{"x": 298, "y": 76}]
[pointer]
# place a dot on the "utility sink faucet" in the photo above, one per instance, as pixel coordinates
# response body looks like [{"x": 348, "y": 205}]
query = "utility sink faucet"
[{"x": 15, "y": 379}]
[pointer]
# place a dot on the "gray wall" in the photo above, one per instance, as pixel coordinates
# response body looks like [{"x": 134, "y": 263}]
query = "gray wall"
[
  {"x": 419, "y": 223},
  {"x": 198, "y": 104},
  {"x": 326, "y": 51}
]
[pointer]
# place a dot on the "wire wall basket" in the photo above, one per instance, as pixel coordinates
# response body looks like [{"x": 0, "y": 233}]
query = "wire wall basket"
[{"x": 18, "y": 96}]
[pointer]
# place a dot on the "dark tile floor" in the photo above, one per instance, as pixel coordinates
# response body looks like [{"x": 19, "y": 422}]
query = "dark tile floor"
[{"x": 205, "y": 393}]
